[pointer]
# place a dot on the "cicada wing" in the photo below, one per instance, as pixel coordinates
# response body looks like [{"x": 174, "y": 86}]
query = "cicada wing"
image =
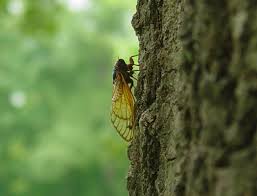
[{"x": 122, "y": 114}]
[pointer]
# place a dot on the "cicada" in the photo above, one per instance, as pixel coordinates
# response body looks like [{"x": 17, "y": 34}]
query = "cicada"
[{"x": 123, "y": 111}]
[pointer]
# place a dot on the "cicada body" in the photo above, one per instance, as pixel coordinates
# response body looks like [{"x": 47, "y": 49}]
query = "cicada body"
[{"x": 122, "y": 112}]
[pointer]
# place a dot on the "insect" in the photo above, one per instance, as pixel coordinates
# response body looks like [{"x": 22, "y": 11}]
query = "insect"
[{"x": 122, "y": 112}]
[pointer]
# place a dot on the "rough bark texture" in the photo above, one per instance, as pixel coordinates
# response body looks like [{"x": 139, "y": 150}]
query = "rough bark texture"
[{"x": 196, "y": 99}]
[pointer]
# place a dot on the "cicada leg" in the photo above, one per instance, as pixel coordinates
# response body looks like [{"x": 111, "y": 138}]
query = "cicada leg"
[
  {"x": 131, "y": 82},
  {"x": 131, "y": 62},
  {"x": 130, "y": 69}
]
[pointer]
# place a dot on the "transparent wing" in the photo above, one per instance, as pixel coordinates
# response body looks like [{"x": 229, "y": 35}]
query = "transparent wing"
[{"x": 122, "y": 114}]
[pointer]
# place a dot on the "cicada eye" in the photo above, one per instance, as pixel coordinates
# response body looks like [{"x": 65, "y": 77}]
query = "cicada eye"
[
  {"x": 113, "y": 76},
  {"x": 121, "y": 61}
]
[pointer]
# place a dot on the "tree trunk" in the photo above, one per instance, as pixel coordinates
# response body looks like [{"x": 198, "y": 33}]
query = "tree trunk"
[{"x": 196, "y": 99}]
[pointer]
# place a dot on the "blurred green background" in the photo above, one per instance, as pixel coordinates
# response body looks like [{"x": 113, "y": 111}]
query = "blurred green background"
[{"x": 56, "y": 60}]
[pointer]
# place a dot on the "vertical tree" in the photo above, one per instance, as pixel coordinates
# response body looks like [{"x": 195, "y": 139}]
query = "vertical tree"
[{"x": 196, "y": 99}]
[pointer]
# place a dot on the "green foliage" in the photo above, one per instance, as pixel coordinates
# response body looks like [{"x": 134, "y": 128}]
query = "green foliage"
[{"x": 55, "y": 96}]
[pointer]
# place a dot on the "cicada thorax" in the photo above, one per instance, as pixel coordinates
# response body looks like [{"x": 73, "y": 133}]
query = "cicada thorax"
[{"x": 125, "y": 69}]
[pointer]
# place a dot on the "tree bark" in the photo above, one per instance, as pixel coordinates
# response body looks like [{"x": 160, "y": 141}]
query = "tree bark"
[{"x": 196, "y": 106}]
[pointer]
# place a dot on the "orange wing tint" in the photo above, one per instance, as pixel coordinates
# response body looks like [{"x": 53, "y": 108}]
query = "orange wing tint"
[{"x": 122, "y": 113}]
